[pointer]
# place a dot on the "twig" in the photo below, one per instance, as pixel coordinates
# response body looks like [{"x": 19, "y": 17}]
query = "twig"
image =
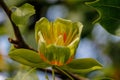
[
  {"x": 69, "y": 74},
  {"x": 19, "y": 42}
]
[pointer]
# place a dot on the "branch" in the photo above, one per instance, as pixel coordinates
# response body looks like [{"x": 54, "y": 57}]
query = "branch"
[
  {"x": 62, "y": 75},
  {"x": 20, "y": 43}
]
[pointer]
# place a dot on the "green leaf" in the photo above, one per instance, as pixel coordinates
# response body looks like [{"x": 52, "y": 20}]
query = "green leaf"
[
  {"x": 82, "y": 66},
  {"x": 27, "y": 57},
  {"x": 78, "y": 1},
  {"x": 109, "y": 14},
  {"x": 22, "y": 14}
]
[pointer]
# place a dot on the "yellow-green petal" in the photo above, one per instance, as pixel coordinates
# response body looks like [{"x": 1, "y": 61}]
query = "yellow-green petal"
[
  {"x": 43, "y": 25},
  {"x": 62, "y": 27}
]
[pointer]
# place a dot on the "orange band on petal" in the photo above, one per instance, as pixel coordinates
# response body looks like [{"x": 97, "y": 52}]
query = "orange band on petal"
[
  {"x": 64, "y": 36},
  {"x": 43, "y": 58},
  {"x": 69, "y": 60},
  {"x": 54, "y": 62}
]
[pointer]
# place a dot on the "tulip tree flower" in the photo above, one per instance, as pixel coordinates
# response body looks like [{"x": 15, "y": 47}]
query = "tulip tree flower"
[
  {"x": 58, "y": 40},
  {"x": 57, "y": 43}
]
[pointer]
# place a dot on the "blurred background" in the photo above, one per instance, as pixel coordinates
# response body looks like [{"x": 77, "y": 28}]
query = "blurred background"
[{"x": 95, "y": 42}]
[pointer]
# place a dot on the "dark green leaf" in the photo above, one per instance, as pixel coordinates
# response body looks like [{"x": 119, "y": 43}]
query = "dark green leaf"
[
  {"x": 83, "y": 66},
  {"x": 27, "y": 57},
  {"x": 22, "y": 14},
  {"x": 109, "y": 14},
  {"x": 78, "y": 1}
]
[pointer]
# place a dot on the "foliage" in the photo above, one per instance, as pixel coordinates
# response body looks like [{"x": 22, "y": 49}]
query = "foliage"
[
  {"x": 82, "y": 66},
  {"x": 109, "y": 17},
  {"x": 21, "y": 15},
  {"x": 58, "y": 41},
  {"x": 27, "y": 57}
]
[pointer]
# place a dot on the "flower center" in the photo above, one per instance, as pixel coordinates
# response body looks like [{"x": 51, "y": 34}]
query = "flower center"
[{"x": 61, "y": 40}]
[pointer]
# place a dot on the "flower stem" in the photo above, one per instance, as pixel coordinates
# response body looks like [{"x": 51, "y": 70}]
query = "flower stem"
[
  {"x": 46, "y": 75},
  {"x": 23, "y": 78},
  {"x": 64, "y": 72},
  {"x": 53, "y": 73}
]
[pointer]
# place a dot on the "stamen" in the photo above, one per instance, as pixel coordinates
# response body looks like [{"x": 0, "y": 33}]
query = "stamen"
[{"x": 59, "y": 40}]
